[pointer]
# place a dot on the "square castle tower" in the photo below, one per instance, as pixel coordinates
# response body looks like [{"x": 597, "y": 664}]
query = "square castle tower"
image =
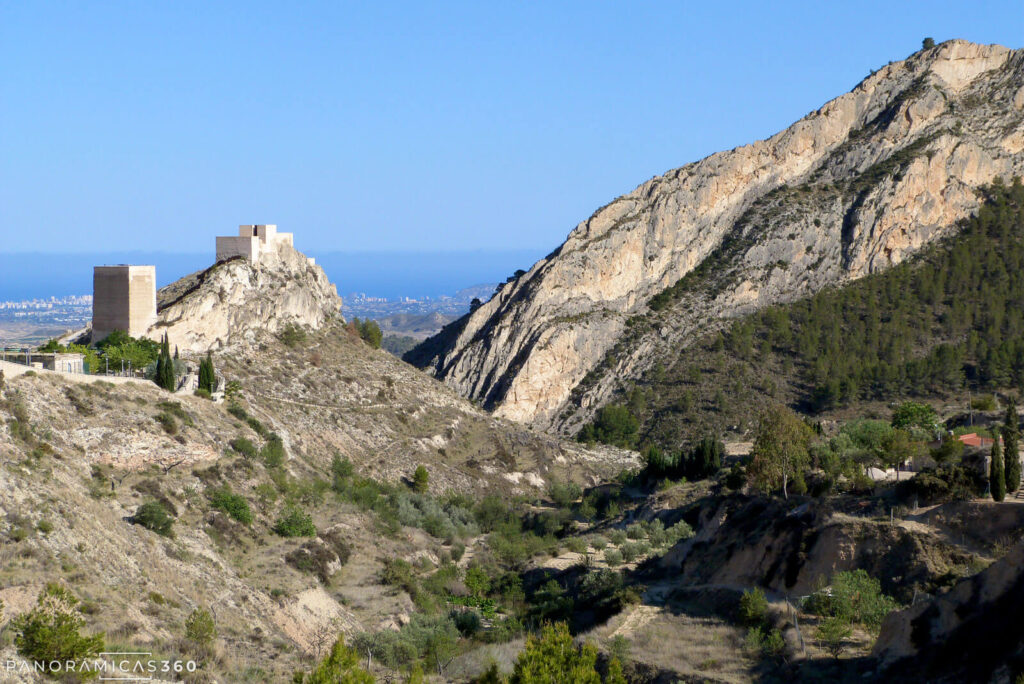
[
  {"x": 123, "y": 298},
  {"x": 251, "y": 241}
]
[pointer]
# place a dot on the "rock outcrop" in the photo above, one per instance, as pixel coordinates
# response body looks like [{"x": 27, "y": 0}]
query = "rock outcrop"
[
  {"x": 975, "y": 623},
  {"x": 854, "y": 187},
  {"x": 233, "y": 300}
]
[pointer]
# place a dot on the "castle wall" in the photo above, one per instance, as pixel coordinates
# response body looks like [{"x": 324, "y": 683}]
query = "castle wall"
[
  {"x": 243, "y": 246},
  {"x": 124, "y": 298},
  {"x": 252, "y": 241}
]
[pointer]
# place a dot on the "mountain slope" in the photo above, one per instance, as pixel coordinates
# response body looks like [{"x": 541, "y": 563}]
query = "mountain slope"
[{"x": 850, "y": 189}]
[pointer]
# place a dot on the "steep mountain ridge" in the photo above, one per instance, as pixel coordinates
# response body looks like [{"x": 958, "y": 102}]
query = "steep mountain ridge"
[{"x": 850, "y": 189}]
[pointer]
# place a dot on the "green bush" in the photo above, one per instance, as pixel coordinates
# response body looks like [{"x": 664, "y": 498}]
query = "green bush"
[
  {"x": 243, "y": 446},
  {"x": 613, "y": 557},
  {"x": 272, "y": 453},
  {"x": 854, "y": 596},
  {"x": 167, "y": 422},
  {"x": 50, "y": 632},
  {"x": 420, "y": 479},
  {"x": 340, "y": 665},
  {"x": 295, "y": 523},
  {"x": 563, "y": 494},
  {"x": 576, "y": 544},
  {"x": 153, "y": 516},
  {"x": 200, "y": 628},
  {"x": 753, "y": 608},
  {"x": 292, "y": 335},
  {"x": 234, "y": 505},
  {"x": 833, "y": 633}
]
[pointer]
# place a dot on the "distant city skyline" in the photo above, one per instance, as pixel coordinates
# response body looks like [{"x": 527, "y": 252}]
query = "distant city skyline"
[{"x": 404, "y": 126}]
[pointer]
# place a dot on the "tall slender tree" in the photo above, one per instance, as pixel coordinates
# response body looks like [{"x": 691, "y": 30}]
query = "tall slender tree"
[
  {"x": 996, "y": 476},
  {"x": 166, "y": 376},
  {"x": 1011, "y": 440},
  {"x": 207, "y": 374}
]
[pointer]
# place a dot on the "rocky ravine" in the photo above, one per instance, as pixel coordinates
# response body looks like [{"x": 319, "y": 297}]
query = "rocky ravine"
[
  {"x": 232, "y": 301},
  {"x": 851, "y": 188}
]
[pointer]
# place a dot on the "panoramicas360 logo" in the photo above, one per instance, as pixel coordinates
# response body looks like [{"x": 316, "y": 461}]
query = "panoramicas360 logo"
[{"x": 112, "y": 666}]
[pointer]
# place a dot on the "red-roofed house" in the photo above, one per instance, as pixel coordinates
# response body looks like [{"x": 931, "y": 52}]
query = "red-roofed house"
[{"x": 973, "y": 439}]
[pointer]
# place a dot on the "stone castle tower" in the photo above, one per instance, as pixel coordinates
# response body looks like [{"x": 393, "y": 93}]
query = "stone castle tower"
[{"x": 123, "y": 298}]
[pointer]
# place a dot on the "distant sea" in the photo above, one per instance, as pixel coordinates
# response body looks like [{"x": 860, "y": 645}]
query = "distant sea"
[{"x": 376, "y": 274}]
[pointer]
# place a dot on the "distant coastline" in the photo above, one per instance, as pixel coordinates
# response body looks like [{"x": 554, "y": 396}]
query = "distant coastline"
[{"x": 391, "y": 275}]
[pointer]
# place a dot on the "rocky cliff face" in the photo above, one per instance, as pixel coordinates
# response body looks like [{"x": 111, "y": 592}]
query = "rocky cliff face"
[
  {"x": 975, "y": 622},
  {"x": 851, "y": 188},
  {"x": 232, "y": 301}
]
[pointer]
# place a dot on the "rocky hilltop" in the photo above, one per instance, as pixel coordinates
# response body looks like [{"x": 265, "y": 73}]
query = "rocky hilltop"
[
  {"x": 233, "y": 300},
  {"x": 852, "y": 188}
]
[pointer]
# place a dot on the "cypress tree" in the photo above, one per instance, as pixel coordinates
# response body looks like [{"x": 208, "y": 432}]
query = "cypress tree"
[
  {"x": 996, "y": 476},
  {"x": 166, "y": 377},
  {"x": 1011, "y": 439},
  {"x": 207, "y": 375}
]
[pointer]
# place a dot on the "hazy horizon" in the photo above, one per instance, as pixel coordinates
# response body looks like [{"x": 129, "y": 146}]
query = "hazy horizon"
[{"x": 377, "y": 273}]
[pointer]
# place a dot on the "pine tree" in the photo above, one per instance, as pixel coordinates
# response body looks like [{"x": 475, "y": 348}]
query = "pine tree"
[
  {"x": 996, "y": 477},
  {"x": 1011, "y": 439}
]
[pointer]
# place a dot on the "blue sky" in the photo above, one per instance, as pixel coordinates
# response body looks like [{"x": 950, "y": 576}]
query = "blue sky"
[{"x": 404, "y": 126}]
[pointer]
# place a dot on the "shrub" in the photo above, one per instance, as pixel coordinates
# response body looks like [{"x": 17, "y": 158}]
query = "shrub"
[
  {"x": 468, "y": 622},
  {"x": 50, "y": 631},
  {"x": 983, "y": 402},
  {"x": 292, "y": 335},
  {"x": 855, "y": 596},
  {"x": 243, "y": 446},
  {"x": 576, "y": 544},
  {"x": 553, "y": 657},
  {"x": 234, "y": 505},
  {"x": 295, "y": 523},
  {"x": 420, "y": 479},
  {"x": 273, "y": 453},
  {"x": 753, "y": 608},
  {"x": 617, "y": 537},
  {"x": 200, "y": 628},
  {"x": 205, "y": 394},
  {"x": 319, "y": 558},
  {"x": 613, "y": 557},
  {"x": 340, "y": 665},
  {"x": 153, "y": 516},
  {"x": 564, "y": 494},
  {"x": 167, "y": 422},
  {"x": 636, "y": 531},
  {"x": 833, "y": 633}
]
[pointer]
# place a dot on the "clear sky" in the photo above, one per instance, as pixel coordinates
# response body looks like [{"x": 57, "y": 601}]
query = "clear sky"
[{"x": 404, "y": 126}]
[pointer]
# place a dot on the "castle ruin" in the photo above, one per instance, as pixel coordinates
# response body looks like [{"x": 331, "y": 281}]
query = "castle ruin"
[
  {"x": 251, "y": 242},
  {"x": 124, "y": 298}
]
